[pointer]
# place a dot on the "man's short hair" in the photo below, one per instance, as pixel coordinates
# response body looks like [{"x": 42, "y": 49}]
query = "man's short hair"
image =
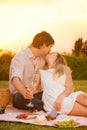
[{"x": 42, "y": 38}]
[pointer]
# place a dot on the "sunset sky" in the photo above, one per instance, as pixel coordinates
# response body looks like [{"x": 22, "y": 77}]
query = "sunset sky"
[{"x": 20, "y": 20}]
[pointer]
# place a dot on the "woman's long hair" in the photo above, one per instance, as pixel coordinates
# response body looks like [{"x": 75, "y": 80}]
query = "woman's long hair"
[{"x": 59, "y": 66}]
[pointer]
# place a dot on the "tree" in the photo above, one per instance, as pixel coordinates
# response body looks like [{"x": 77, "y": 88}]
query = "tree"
[
  {"x": 5, "y": 60},
  {"x": 5, "y": 57},
  {"x": 78, "y": 47},
  {"x": 84, "y": 48}
]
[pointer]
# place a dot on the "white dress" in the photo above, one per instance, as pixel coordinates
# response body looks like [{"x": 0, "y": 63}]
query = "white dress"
[{"x": 54, "y": 87}]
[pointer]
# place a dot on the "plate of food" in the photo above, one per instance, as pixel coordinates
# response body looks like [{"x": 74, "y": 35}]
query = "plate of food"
[
  {"x": 67, "y": 123},
  {"x": 26, "y": 116}
]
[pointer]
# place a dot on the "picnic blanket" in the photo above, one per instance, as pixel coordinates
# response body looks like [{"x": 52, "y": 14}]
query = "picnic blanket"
[{"x": 11, "y": 114}]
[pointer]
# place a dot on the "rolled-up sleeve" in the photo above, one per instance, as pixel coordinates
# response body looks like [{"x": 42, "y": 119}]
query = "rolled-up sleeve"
[{"x": 17, "y": 67}]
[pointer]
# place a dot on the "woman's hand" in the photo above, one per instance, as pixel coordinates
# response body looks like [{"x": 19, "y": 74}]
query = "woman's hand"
[{"x": 58, "y": 103}]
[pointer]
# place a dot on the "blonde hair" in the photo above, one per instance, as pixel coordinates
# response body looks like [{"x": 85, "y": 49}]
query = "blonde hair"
[{"x": 59, "y": 66}]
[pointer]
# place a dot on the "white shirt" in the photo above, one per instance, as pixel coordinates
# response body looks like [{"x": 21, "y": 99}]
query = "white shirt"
[{"x": 22, "y": 66}]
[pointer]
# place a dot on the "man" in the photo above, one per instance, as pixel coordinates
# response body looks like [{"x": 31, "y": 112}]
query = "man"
[{"x": 22, "y": 69}]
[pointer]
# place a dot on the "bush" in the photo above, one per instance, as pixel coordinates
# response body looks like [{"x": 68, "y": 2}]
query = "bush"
[
  {"x": 5, "y": 60},
  {"x": 78, "y": 67},
  {"x": 4, "y": 71}
]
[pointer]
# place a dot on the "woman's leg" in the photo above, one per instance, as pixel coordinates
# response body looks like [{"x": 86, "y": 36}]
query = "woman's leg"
[
  {"x": 79, "y": 110},
  {"x": 82, "y": 99}
]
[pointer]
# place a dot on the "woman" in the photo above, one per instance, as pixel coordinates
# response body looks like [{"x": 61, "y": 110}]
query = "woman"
[{"x": 58, "y": 89}]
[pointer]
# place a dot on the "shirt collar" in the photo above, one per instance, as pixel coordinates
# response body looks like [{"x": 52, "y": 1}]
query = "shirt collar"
[{"x": 29, "y": 52}]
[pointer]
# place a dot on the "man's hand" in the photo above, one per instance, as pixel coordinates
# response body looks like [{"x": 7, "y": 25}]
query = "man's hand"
[{"x": 28, "y": 93}]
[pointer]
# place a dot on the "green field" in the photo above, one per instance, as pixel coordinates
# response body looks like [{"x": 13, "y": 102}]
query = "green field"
[{"x": 79, "y": 85}]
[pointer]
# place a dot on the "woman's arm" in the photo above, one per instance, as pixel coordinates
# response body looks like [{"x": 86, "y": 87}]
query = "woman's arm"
[{"x": 69, "y": 88}]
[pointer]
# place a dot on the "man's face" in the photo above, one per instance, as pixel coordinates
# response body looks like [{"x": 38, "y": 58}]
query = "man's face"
[{"x": 45, "y": 50}]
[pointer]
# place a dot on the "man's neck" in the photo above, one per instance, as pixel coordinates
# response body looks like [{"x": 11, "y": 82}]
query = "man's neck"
[{"x": 35, "y": 51}]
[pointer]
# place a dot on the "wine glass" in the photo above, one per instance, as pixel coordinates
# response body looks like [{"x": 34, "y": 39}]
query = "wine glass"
[
  {"x": 33, "y": 84},
  {"x": 30, "y": 104}
]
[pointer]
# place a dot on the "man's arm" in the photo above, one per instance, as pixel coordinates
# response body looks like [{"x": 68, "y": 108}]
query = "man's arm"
[{"x": 17, "y": 83}]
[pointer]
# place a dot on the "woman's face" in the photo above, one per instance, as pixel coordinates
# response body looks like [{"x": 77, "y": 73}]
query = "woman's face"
[{"x": 51, "y": 58}]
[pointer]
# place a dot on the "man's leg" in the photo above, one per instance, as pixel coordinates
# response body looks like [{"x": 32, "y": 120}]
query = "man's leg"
[
  {"x": 38, "y": 95},
  {"x": 38, "y": 104},
  {"x": 19, "y": 101}
]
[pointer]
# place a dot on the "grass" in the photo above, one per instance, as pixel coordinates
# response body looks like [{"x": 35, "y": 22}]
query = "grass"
[
  {"x": 79, "y": 85},
  {"x": 4, "y": 84},
  {"x": 22, "y": 126}
]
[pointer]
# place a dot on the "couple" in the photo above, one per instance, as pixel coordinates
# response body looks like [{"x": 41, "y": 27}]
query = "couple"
[{"x": 56, "y": 81}]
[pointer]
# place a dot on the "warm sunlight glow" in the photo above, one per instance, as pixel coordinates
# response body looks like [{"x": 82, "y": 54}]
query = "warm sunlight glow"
[{"x": 20, "y": 20}]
